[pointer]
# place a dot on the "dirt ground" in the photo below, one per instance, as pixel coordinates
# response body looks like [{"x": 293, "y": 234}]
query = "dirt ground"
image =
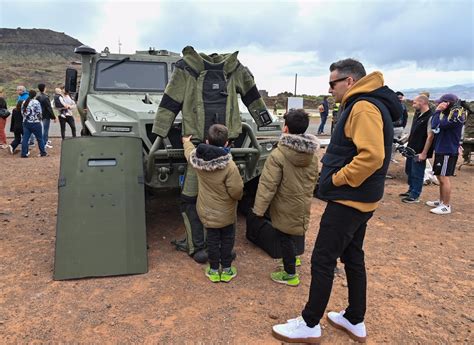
[{"x": 419, "y": 265}]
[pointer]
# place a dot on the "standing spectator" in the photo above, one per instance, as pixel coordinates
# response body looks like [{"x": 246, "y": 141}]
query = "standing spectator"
[
  {"x": 352, "y": 181},
  {"x": 324, "y": 112},
  {"x": 22, "y": 96},
  {"x": 31, "y": 111},
  {"x": 3, "y": 121},
  {"x": 335, "y": 112},
  {"x": 66, "y": 115},
  {"x": 286, "y": 188},
  {"x": 22, "y": 93},
  {"x": 448, "y": 129},
  {"x": 400, "y": 124},
  {"x": 420, "y": 140},
  {"x": 16, "y": 126},
  {"x": 48, "y": 113}
]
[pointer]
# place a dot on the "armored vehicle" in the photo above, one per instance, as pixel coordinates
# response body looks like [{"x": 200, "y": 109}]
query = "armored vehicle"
[
  {"x": 104, "y": 172},
  {"x": 119, "y": 95}
]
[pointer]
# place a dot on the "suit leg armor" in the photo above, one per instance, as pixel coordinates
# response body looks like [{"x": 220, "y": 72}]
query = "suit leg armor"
[{"x": 195, "y": 238}]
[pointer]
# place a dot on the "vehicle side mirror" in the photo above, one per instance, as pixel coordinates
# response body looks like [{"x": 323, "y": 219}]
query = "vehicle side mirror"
[{"x": 71, "y": 80}]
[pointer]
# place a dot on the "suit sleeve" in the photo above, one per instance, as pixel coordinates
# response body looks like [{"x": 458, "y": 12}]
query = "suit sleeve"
[
  {"x": 234, "y": 183},
  {"x": 268, "y": 185},
  {"x": 171, "y": 103},
  {"x": 252, "y": 99}
]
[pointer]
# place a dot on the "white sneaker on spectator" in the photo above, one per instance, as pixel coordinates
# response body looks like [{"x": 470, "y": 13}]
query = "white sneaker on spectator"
[
  {"x": 296, "y": 331},
  {"x": 10, "y": 148},
  {"x": 355, "y": 332},
  {"x": 441, "y": 209},
  {"x": 4, "y": 146},
  {"x": 434, "y": 203},
  {"x": 48, "y": 146},
  {"x": 49, "y": 142}
]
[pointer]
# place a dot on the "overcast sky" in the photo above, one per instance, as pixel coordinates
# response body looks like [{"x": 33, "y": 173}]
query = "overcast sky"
[{"x": 414, "y": 43}]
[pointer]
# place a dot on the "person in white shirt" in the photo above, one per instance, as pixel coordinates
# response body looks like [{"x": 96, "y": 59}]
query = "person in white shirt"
[{"x": 65, "y": 114}]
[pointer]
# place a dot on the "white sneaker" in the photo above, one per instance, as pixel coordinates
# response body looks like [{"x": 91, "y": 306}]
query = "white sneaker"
[
  {"x": 10, "y": 148},
  {"x": 296, "y": 331},
  {"x": 355, "y": 332},
  {"x": 434, "y": 203},
  {"x": 4, "y": 146},
  {"x": 48, "y": 146},
  {"x": 441, "y": 209},
  {"x": 49, "y": 142}
]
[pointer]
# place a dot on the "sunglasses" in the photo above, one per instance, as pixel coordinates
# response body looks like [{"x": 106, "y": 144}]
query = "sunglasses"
[{"x": 333, "y": 83}]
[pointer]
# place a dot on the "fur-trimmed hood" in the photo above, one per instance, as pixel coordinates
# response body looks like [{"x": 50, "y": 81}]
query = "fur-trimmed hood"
[
  {"x": 209, "y": 157},
  {"x": 298, "y": 148}
]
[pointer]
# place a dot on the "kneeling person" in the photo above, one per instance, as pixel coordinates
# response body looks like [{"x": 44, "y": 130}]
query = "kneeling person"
[
  {"x": 286, "y": 187},
  {"x": 219, "y": 189}
]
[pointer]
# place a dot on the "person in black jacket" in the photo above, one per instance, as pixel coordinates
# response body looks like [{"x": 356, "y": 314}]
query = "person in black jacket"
[
  {"x": 16, "y": 126},
  {"x": 48, "y": 113},
  {"x": 421, "y": 141},
  {"x": 3, "y": 121}
]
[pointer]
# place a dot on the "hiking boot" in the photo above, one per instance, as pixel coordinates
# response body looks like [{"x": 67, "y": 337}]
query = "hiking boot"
[
  {"x": 410, "y": 200},
  {"x": 228, "y": 274},
  {"x": 355, "y": 332},
  {"x": 200, "y": 256},
  {"x": 434, "y": 203},
  {"x": 441, "y": 209},
  {"x": 284, "y": 278},
  {"x": 404, "y": 195},
  {"x": 296, "y": 331},
  {"x": 213, "y": 275},
  {"x": 297, "y": 262}
]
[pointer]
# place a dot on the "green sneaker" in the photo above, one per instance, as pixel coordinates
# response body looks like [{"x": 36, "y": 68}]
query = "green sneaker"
[
  {"x": 228, "y": 274},
  {"x": 212, "y": 275},
  {"x": 297, "y": 263},
  {"x": 284, "y": 278}
]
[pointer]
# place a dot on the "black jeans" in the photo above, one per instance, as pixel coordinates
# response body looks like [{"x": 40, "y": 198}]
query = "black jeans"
[
  {"x": 17, "y": 140},
  {"x": 288, "y": 252},
  {"x": 341, "y": 234},
  {"x": 220, "y": 242},
  {"x": 62, "y": 124}
]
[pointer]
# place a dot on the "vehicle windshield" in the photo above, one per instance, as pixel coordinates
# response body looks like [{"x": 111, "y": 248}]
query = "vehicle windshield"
[{"x": 126, "y": 75}]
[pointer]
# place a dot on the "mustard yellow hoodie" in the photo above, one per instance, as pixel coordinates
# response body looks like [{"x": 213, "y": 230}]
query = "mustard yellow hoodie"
[{"x": 364, "y": 127}]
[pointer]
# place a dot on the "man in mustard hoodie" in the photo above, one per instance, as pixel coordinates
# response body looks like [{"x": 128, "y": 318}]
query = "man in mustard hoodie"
[{"x": 352, "y": 182}]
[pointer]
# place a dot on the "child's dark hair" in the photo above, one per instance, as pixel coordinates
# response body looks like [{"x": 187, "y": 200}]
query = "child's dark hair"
[
  {"x": 31, "y": 95},
  {"x": 41, "y": 87},
  {"x": 218, "y": 135},
  {"x": 297, "y": 121}
]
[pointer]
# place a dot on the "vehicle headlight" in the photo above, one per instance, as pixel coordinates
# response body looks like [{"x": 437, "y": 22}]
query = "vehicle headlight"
[{"x": 120, "y": 129}]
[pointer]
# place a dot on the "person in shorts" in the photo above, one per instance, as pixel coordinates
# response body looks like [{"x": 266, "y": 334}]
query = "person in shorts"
[{"x": 448, "y": 129}]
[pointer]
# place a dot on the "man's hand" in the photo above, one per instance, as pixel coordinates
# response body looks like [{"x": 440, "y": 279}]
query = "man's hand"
[
  {"x": 422, "y": 157},
  {"x": 186, "y": 139},
  {"x": 442, "y": 106}
]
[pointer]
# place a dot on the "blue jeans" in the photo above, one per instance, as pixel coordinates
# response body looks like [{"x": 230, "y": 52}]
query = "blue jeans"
[
  {"x": 46, "y": 123},
  {"x": 416, "y": 172},
  {"x": 35, "y": 129},
  {"x": 323, "y": 122}
]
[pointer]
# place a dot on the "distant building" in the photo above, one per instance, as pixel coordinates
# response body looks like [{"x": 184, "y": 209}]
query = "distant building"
[{"x": 263, "y": 93}]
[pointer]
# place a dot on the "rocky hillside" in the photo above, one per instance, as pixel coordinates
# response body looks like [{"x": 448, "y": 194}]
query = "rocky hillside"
[{"x": 31, "y": 56}]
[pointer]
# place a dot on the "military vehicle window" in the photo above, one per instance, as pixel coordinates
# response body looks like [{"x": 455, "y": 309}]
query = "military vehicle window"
[{"x": 125, "y": 75}]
